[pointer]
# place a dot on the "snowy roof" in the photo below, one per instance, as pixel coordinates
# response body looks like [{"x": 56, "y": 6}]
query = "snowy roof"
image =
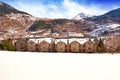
[
  {"x": 38, "y": 40},
  {"x": 59, "y": 40},
  {"x": 80, "y": 40}
]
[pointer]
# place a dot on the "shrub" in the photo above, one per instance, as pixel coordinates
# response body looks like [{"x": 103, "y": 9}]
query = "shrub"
[{"x": 7, "y": 45}]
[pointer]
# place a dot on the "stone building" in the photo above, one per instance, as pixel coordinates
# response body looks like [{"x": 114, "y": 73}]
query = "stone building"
[
  {"x": 81, "y": 43},
  {"x": 43, "y": 44},
  {"x": 89, "y": 47},
  {"x": 61, "y": 47},
  {"x": 21, "y": 44},
  {"x": 74, "y": 46},
  {"x": 31, "y": 46},
  {"x": 61, "y": 44}
]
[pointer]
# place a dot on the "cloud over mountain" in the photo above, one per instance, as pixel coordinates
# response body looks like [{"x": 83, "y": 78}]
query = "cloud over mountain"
[{"x": 65, "y": 9}]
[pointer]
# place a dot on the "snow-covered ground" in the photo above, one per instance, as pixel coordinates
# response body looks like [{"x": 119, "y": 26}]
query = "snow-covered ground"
[{"x": 58, "y": 66}]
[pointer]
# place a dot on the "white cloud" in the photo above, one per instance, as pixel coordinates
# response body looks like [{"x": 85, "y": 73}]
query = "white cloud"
[
  {"x": 74, "y": 8},
  {"x": 67, "y": 9}
]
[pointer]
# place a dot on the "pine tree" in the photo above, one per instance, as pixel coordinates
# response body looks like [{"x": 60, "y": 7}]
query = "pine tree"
[{"x": 100, "y": 47}]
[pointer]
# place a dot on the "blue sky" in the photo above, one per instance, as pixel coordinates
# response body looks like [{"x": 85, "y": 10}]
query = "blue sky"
[{"x": 63, "y": 8}]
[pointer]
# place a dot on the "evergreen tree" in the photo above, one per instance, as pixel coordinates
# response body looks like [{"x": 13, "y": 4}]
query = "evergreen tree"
[{"x": 100, "y": 47}]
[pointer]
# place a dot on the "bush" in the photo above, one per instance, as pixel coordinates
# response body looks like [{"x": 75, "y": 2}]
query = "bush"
[{"x": 7, "y": 45}]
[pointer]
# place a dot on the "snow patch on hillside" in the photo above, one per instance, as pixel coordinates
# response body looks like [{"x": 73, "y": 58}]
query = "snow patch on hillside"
[{"x": 101, "y": 29}]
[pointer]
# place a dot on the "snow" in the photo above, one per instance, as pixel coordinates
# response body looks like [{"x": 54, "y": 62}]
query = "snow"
[
  {"x": 37, "y": 31},
  {"x": 81, "y": 16},
  {"x": 98, "y": 29},
  {"x": 38, "y": 40},
  {"x": 12, "y": 31},
  {"x": 19, "y": 16},
  {"x": 80, "y": 40},
  {"x": 113, "y": 25},
  {"x": 56, "y": 40},
  {"x": 59, "y": 40},
  {"x": 75, "y": 34},
  {"x": 47, "y": 33},
  {"x": 58, "y": 66},
  {"x": 55, "y": 34}
]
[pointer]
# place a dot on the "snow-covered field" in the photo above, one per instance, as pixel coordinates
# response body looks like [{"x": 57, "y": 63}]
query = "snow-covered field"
[{"x": 58, "y": 66}]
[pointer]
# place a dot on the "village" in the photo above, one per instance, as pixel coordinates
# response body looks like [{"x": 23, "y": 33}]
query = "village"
[
  {"x": 65, "y": 44},
  {"x": 74, "y": 44}
]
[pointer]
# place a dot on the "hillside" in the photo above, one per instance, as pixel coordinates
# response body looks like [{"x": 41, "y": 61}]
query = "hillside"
[
  {"x": 108, "y": 23},
  {"x": 13, "y": 23},
  {"x": 57, "y": 27},
  {"x": 7, "y": 9},
  {"x": 111, "y": 16}
]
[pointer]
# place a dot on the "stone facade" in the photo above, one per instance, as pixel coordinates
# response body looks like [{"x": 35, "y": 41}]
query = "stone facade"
[
  {"x": 74, "y": 46},
  {"x": 31, "y": 46},
  {"x": 21, "y": 44},
  {"x": 89, "y": 47},
  {"x": 44, "y": 46},
  {"x": 61, "y": 47},
  {"x": 68, "y": 44}
]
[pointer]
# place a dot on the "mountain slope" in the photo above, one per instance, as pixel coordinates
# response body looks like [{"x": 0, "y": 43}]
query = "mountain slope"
[
  {"x": 13, "y": 21},
  {"x": 111, "y": 16},
  {"x": 104, "y": 24},
  {"x": 57, "y": 27},
  {"x": 7, "y": 9}
]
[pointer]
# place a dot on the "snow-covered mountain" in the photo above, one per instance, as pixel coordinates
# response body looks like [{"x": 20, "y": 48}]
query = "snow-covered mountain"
[
  {"x": 16, "y": 23},
  {"x": 101, "y": 29},
  {"x": 108, "y": 23},
  {"x": 104, "y": 29},
  {"x": 81, "y": 16}
]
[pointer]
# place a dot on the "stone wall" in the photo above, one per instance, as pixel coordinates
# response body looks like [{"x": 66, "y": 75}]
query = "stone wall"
[{"x": 55, "y": 45}]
